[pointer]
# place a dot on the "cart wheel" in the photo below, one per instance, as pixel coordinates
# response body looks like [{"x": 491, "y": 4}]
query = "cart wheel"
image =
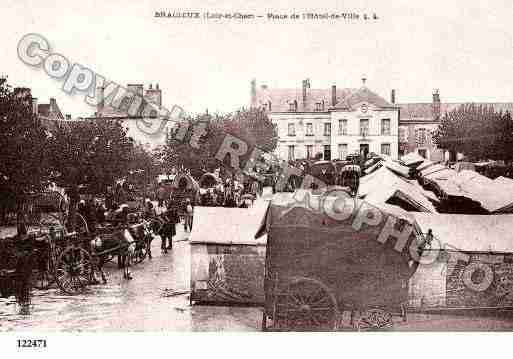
[
  {"x": 375, "y": 319},
  {"x": 306, "y": 305},
  {"x": 74, "y": 270}
]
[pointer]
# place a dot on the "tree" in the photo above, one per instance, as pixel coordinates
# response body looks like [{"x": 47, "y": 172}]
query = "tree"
[
  {"x": 88, "y": 155},
  {"x": 23, "y": 141},
  {"x": 251, "y": 126},
  {"x": 477, "y": 131},
  {"x": 143, "y": 167}
]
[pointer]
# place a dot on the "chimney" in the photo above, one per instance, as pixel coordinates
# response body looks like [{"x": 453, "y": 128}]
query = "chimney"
[
  {"x": 100, "y": 100},
  {"x": 392, "y": 96},
  {"x": 253, "y": 94},
  {"x": 333, "y": 95},
  {"x": 53, "y": 105},
  {"x": 436, "y": 105},
  {"x": 34, "y": 106},
  {"x": 306, "y": 84}
]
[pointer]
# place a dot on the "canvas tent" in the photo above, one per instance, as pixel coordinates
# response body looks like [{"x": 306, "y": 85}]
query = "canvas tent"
[
  {"x": 227, "y": 262},
  {"x": 412, "y": 159},
  {"x": 464, "y": 244},
  {"x": 384, "y": 186}
]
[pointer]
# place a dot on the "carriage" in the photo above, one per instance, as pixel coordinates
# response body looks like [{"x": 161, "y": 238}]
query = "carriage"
[
  {"x": 324, "y": 171},
  {"x": 322, "y": 274},
  {"x": 349, "y": 176},
  {"x": 71, "y": 258}
]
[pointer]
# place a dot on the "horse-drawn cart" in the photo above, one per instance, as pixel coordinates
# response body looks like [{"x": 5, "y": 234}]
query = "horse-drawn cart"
[
  {"x": 71, "y": 260},
  {"x": 323, "y": 274}
]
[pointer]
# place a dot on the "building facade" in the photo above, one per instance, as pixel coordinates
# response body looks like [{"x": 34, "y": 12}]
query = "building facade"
[
  {"x": 146, "y": 131},
  {"x": 331, "y": 123},
  {"x": 419, "y": 121}
]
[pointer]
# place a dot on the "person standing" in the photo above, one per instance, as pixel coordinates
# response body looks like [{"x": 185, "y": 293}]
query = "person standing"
[
  {"x": 168, "y": 230},
  {"x": 161, "y": 194},
  {"x": 189, "y": 210}
]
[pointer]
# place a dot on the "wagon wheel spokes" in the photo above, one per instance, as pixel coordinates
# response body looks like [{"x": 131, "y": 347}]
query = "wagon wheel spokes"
[
  {"x": 309, "y": 305},
  {"x": 74, "y": 270},
  {"x": 375, "y": 319}
]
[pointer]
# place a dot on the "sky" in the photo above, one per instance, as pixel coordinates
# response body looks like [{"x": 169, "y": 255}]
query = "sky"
[{"x": 465, "y": 49}]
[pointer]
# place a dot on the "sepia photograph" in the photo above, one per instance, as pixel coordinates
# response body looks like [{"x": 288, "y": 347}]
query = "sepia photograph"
[{"x": 169, "y": 167}]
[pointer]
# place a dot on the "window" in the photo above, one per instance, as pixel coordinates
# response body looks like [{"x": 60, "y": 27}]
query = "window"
[
  {"x": 421, "y": 136},
  {"x": 309, "y": 129},
  {"x": 385, "y": 149},
  {"x": 364, "y": 127},
  {"x": 342, "y": 127},
  {"x": 403, "y": 134},
  {"x": 327, "y": 129},
  {"x": 327, "y": 152},
  {"x": 342, "y": 151},
  {"x": 292, "y": 129},
  {"x": 309, "y": 151},
  {"x": 293, "y": 106},
  {"x": 291, "y": 153},
  {"x": 269, "y": 107},
  {"x": 385, "y": 126}
]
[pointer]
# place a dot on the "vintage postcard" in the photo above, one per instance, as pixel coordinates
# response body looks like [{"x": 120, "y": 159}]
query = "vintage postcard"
[{"x": 232, "y": 166}]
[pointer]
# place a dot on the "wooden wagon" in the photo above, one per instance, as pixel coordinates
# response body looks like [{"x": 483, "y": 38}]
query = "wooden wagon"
[{"x": 322, "y": 274}]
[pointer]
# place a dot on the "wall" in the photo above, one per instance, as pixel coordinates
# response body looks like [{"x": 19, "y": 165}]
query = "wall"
[
  {"x": 442, "y": 284},
  {"x": 227, "y": 273},
  {"x": 319, "y": 139},
  {"x": 300, "y": 140},
  {"x": 432, "y": 153},
  {"x": 374, "y": 138}
]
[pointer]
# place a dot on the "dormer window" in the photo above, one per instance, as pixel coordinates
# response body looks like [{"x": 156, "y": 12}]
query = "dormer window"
[{"x": 293, "y": 106}]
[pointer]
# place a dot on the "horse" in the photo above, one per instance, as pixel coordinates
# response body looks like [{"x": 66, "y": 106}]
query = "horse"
[{"x": 118, "y": 242}]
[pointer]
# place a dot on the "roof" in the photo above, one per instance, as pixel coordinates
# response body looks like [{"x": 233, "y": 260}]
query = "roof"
[
  {"x": 412, "y": 158},
  {"x": 470, "y": 233},
  {"x": 44, "y": 110},
  {"x": 346, "y": 98},
  {"x": 424, "y": 111},
  {"x": 382, "y": 185},
  {"x": 494, "y": 196},
  {"x": 220, "y": 225}
]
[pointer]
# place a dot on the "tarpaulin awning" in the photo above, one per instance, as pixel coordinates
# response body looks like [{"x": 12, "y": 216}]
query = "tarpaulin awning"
[
  {"x": 424, "y": 165},
  {"x": 412, "y": 159},
  {"x": 432, "y": 169},
  {"x": 460, "y": 166},
  {"x": 383, "y": 185},
  {"x": 220, "y": 225},
  {"x": 397, "y": 168},
  {"x": 470, "y": 233}
]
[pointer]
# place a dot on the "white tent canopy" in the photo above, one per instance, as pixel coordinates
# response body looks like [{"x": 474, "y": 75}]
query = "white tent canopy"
[
  {"x": 472, "y": 233},
  {"x": 382, "y": 185}
]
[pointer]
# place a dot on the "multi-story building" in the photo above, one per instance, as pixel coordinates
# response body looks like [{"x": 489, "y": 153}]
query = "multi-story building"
[
  {"x": 47, "y": 112},
  {"x": 135, "y": 125},
  {"x": 329, "y": 123},
  {"x": 419, "y": 121}
]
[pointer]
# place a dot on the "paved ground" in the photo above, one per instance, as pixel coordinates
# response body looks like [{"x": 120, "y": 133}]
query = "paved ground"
[
  {"x": 143, "y": 304},
  {"x": 139, "y": 304}
]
